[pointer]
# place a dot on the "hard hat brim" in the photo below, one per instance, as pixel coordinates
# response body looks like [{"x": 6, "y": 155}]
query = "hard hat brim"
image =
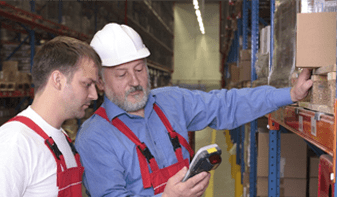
[{"x": 109, "y": 62}]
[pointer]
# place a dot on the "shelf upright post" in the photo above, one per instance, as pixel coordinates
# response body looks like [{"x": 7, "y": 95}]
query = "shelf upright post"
[
  {"x": 274, "y": 132},
  {"x": 32, "y": 38},
  {"x": 242, "y": 153},
  {"x": 255, "y": 37},
  {"x": 245, "y": 25},
  {"x": 253, "y": 124},
  {"x": 274, "y": 158},
  {"x": 271, "y": 50},
  {"x": 238, "y": 145},
  {"x": 60, "y": 11}
]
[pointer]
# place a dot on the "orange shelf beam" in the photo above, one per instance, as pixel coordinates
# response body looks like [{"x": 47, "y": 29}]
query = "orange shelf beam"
[
  {"x": 17, "y": 93},
  {"x": 317, "y": 128}
]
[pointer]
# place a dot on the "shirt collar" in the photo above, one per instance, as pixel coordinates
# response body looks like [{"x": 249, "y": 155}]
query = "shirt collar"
[{"x": 112, "y": 110}]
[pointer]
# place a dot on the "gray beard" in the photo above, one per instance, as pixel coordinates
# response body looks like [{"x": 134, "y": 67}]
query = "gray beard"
[{"x": 124, "y": 104}]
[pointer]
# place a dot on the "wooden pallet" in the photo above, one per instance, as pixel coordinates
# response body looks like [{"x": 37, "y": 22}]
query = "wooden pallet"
[{"x": 323, "y": 92}]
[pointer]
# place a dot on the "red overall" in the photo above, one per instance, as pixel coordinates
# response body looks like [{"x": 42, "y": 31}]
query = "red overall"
[
  {"x": 159, "y": 177},
  {"x": 69, "y": 181}
]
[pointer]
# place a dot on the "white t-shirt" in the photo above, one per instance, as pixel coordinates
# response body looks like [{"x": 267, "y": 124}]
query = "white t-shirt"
[{"x": 27, "y": 166}]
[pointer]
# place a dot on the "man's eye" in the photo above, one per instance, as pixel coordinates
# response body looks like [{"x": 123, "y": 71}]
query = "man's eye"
[{"x": 87, "y": 84}]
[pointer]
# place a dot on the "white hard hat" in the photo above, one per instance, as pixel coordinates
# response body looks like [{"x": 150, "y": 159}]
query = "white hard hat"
[{"x": 117, "y": 44}]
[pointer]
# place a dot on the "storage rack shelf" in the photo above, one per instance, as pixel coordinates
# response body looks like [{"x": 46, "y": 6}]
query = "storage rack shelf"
[
  {"x": 35, "y": 22},
  {"x": 315, "y": 127},
  {"x": 17, "y": 93}
]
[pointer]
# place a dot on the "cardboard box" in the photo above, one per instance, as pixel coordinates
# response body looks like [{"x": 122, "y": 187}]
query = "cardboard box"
[
  {"x": 234, "y": 71},
  {"x": 292, "y": 146},
  {"x": 245, "y": 55},
  {"x": 293, "y": 163},
  {"x": 314, "y": 165},
  {"x": 288, "y": 187},
  {"x": 316, "y": 39},
  {"x": 313, "y": 187},
  {"x": 245, "y": 71},
  {"x": 289, "y": 167},
  {"x": 11, "y": 66}
]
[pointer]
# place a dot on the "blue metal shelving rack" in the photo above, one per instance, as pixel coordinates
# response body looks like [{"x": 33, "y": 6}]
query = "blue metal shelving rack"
[
  {"x": 274, "y": 132},
  {"x": 253, "y": 124},
  {"x": 274, "y": 127}
]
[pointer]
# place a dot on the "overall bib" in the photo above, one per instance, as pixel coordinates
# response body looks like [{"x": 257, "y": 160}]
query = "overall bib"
[
  {"x": 159, "y": 177},
  {"x": 69, "y": 181}
]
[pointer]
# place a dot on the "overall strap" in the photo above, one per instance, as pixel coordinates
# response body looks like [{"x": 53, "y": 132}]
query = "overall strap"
[
  {"x": 142, "y": 151},
  {"x": 73, "y": 149},
  {"x": 174, "y": 136},
  {"x": 48, "y": 140}
]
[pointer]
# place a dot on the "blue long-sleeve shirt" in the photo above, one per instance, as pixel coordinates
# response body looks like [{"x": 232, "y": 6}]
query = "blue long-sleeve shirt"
[{"x": 110, "y": 159}]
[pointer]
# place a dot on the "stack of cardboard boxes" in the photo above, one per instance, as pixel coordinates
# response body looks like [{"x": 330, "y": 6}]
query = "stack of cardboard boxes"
[
  {"x": 316, "y": 48},
  {"x": 12, "y": 79},
  {"x": 293, "y": 165}
]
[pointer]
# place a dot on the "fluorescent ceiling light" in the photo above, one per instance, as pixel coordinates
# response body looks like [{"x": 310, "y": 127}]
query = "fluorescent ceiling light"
[{"x": 199, "y": 17}]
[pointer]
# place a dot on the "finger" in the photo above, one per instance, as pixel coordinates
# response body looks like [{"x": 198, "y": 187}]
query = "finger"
[
  {"x": 307, "y": 85},
  {"x": 180, "y": 175},
  {"x": 201, "y": 187},
  {"x": 305, "y": 74},
  {"x": 196, "y": 179}
]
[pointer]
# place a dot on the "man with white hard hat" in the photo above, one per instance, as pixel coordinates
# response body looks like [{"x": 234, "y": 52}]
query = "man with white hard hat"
[{"x": 136, "y": 143}]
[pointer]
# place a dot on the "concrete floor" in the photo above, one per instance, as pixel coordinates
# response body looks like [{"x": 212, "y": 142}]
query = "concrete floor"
[{"x": 223, "y": 184}]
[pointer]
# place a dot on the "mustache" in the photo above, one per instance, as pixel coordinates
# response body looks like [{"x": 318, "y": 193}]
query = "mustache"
[{"x": 134, "y": 89}]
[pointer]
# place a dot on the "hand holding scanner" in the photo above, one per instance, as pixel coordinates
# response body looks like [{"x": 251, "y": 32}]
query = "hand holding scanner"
[{"x": 207, "y": 158}]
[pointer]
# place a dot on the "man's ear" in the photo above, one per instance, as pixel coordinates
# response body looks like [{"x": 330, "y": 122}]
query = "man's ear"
[
  {"x": 57, "y": 79},
  {"x": 100, "y": 84}
]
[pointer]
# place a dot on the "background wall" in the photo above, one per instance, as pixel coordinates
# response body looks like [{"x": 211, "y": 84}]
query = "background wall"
[
  {"x": 196, "y": 56},
  {"x": 196, "y": 66}
]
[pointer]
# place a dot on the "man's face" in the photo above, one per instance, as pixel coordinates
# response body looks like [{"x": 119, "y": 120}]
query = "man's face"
[
  {"x": 81, "y": 90},
  {"x": 127, "y": 85}
]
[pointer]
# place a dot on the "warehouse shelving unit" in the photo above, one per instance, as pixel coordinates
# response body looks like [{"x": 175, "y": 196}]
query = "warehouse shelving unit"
[{"x": 315, "y": 127}]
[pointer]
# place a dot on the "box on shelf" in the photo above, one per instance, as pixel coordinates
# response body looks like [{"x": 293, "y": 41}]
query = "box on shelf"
[
  {"x": 316, "y": 39},
  {"x": 314, "y": 165},
  {"x": 288, "y": 187},
  {"x": 234, "y": 72},
  {"x": 245, "y": 55},
  {"x": 245, "y": 70},
  {"x": 313, "y": 187},
  {"x": 10, "y": 66},
  {"x": 324, "y": 89},
  {"x": 293, "y": 163}
]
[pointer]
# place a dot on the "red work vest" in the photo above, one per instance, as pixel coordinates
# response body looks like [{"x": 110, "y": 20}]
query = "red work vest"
[
  {"x": 159, "y": 177},
  {"x": 69, "y": 181}
]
